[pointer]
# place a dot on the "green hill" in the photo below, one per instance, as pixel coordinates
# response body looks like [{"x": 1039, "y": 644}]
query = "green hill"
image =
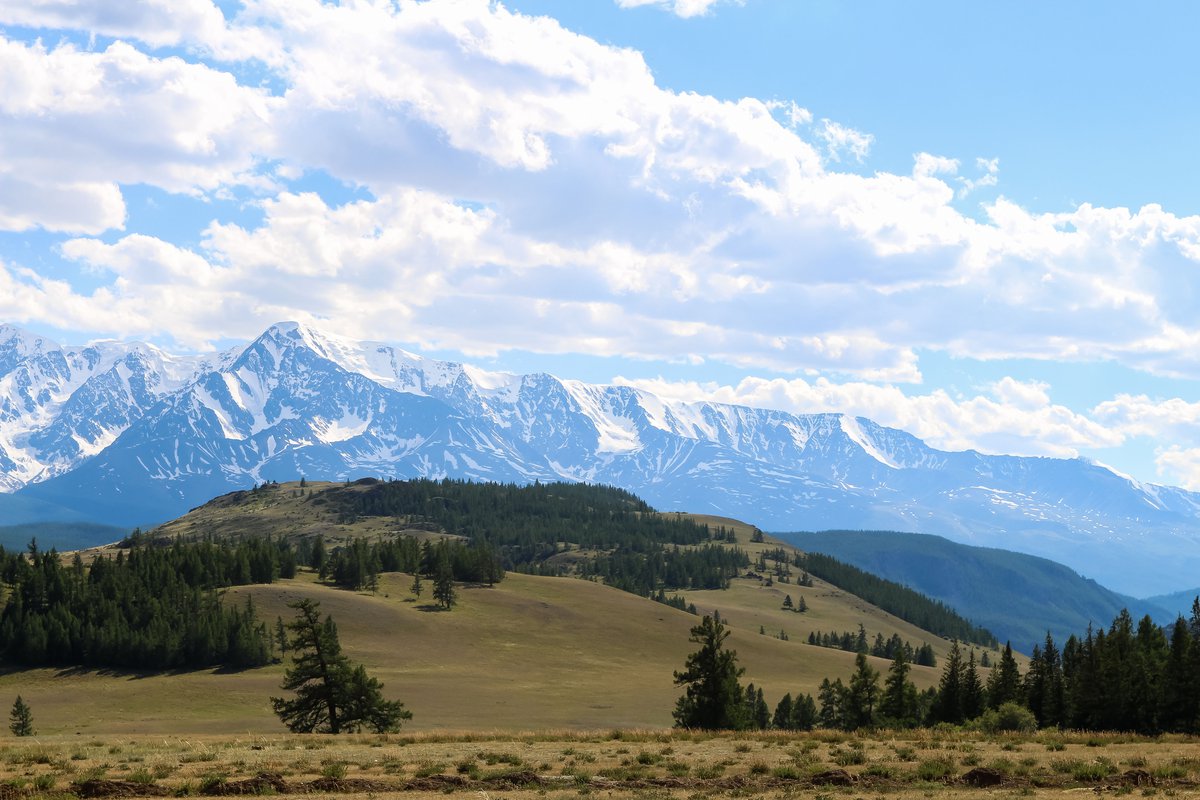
[{"x": 1016, "y": 596}]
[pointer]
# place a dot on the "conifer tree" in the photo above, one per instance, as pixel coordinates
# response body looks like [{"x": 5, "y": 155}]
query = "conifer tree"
[
  {"x": 898, "y": 704},
  {"x": 416, "y": 587},
  {"x": 713, "y": 699},
  {"x": 20, "y": 719},
  {"x": 443, "y": 583},
  {"x": 782, "y": 720},
  {"x": 861, "y": 695},
  {"x": 948, "y": 705},
  {"x": 972, "y": 690},
  {"x": 1004, "y": 682},
  {"x": 331, "y": 695}
]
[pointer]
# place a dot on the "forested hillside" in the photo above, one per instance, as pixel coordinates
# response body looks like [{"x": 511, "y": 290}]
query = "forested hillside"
[{"x": 1018, "y": 597}]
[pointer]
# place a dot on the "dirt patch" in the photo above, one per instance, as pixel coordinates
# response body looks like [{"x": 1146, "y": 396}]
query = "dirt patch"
[
  {"x": 833, "y": 777},
  {"x": 97, "y": 787},
  {"x": 982, "y": 777},
  {"x": 262, "y": 783},
  {"x": 434, "y": 783},
  {"x": 1137, "y": 777},
  {"x": 345, "y": 786}
]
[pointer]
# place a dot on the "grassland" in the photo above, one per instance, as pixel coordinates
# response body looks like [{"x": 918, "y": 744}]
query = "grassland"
[
  {"x": 532, "y": 652},
  {"x": 529, "y": 653},
  {"x": 613, "y": 763}
]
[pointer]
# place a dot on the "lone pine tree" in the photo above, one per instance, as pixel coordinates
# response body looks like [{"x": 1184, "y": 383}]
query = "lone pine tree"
[
  {"x": 332, "y": 696},
  {"x": 20, "y": 719},
  {"x": 713, "y": 698}
]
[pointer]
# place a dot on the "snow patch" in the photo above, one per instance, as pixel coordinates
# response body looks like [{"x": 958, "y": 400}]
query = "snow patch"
[{"x": 855, "y": 433}]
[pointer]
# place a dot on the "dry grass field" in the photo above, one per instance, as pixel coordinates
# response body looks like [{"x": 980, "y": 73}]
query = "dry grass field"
[
  {"x": 613, "y": 763},
  {"x": 528, "y": 653},
  {"x": 531, "y": 652}
]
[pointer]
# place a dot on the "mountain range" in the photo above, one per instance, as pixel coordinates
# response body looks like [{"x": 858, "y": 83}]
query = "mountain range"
[{"x": 128, "y": 434}]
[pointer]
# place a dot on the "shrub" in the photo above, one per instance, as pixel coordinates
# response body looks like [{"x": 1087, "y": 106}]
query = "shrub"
[
  {"x": 1008, "y": 718},
  {"x": 935, "y": 769}
]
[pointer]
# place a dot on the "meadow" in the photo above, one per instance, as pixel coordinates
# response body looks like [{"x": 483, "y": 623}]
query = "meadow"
[{"x": 615, "y": 763}]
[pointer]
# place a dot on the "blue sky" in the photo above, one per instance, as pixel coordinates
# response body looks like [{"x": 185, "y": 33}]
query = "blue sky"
[{"x": 975, "y": 222}]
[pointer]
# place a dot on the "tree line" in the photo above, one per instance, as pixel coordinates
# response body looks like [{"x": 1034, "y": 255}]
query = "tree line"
[
  {"x": 153, "y": 608},
  {"x": 852, "y": 642},
  {"x": 910, "y": 606}
]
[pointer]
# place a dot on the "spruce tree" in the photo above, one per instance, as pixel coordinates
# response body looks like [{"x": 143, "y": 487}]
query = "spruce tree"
[
  {"x": 948, "y": 705},
  {"x": 1004, "y": 682},
  {"x": 783, "y": 714},
  {"x": 972, "y": 690},
  {"x": 898, "y": 705},
  {"x": 861, "y": 695},
  {"x": 332, "y": 696},
  {"x": 713, "y": 699},
  {"x": 20, "y": 718}
]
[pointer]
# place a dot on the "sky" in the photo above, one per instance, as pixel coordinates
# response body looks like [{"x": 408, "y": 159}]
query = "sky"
[{"x": 975, "y": 222}]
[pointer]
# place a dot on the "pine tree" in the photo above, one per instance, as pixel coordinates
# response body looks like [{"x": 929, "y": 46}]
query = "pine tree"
[
  {"x": 804, "y": 713},
  {"x": 331, "y": 695},
  {"x": 1004, "y": 682},
  {"x": 948, "y": 706},
  {"x": 416, "y": 587},
  {"x": 861, "y": 695},
  {"x": 443, "y": 583},
  {"x": 20, "y": 719},
  {"x": 898, "y": 705},
  {"x": 783, "y": 714},
  {"x": 972, "y": 690},
  {"x": 713, "y": 699}
]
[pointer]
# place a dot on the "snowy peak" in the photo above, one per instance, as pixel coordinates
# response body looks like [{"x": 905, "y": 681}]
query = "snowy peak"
[
  {"x": 17, "y": 345},
  {"x": 175, "y": 430}
]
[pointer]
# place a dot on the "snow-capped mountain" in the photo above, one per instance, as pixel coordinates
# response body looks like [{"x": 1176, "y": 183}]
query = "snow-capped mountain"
[
  {"x": 127, "y": 434},
  {"x": 59, "y": 407}
]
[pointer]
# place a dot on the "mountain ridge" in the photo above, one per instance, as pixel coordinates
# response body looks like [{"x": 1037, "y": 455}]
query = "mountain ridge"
[{"x": 172, "y": 431}]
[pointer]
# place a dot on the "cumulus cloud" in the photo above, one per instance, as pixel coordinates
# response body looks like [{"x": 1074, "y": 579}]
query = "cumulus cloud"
[
  {"x": 681, "y": 8},
  {"x": 1180, "y": 466},
  {"x": 81, "y": 123},
  {"x": 516, "y": 166}
]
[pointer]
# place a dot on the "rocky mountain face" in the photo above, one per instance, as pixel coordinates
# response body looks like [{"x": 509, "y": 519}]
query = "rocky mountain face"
[{"x": 127, "y": 434}]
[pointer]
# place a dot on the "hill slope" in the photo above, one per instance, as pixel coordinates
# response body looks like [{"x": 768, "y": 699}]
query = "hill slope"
[
  {"x": 1017, "y": 597},
  {"x": 530, "y": 652}
]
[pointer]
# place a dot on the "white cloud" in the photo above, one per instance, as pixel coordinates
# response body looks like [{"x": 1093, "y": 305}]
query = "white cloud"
[
  {"x": 1179, "y": 466},
  {"x": 158, "y": 23},
  {"x": 681, "y": 8},
  {"x": 66, "y": 207},
  {"x": 841, "y": 140},
  {"x": 1019, "y": 418},
  {"x": 990, "y": 167},
  {"x": 81, "y": 122},
  {"x": 617, "y": 216}
]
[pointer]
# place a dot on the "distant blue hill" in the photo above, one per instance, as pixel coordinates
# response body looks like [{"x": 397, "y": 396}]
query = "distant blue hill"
[
  {"x": 59, "y": 535},
  {"x": 1176, "y": 602},
  {"x": 1018, "y": 597}
]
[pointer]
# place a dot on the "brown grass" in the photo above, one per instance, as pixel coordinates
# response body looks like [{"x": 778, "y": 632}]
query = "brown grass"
[{"x": 618, "y": 763}]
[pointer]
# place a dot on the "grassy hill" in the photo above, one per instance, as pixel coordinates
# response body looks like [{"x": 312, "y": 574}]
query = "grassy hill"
[
  {"x": 531, "y": 652},
  {"x": 1018, "y": 597}
]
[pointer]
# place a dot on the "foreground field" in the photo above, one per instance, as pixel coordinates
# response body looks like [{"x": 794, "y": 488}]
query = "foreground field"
[{"x": 616, "y": 764}]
